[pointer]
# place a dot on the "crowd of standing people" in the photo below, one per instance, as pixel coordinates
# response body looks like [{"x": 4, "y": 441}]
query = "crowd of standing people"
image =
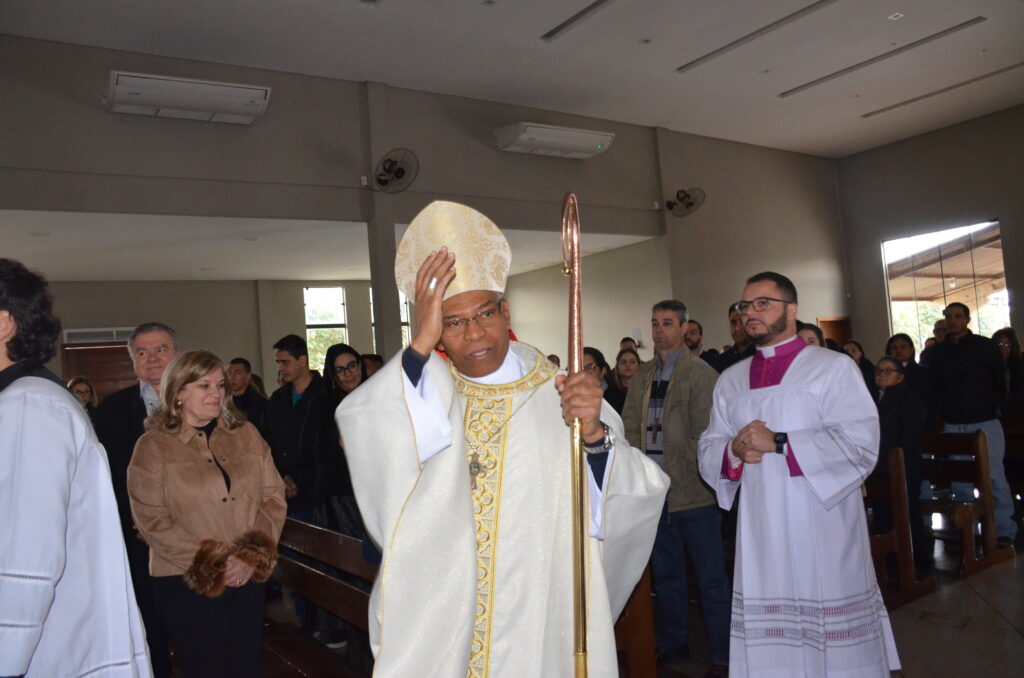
[{"x": 177, "y": 487}]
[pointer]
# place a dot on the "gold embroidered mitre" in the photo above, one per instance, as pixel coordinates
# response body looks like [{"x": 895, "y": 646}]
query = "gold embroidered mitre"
[{"x": 482, "y": 254}]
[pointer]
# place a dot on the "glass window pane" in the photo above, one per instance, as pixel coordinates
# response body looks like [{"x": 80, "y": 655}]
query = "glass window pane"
[
  {"x": 318, "y": 340},
  {"x": 325, "y": 305},
  {"x": 930, "y": 271}
]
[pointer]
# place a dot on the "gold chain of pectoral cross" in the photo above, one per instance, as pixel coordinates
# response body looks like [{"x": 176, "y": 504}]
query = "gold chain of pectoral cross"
[{"x": 476, "y": 469}]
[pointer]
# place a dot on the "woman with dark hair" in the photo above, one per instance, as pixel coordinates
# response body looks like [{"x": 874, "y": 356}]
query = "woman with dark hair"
[
  {"x": 627, "y": 362},
  {"x": 84, "y": 391},
  {"x": 901, "y": 419},
  {"x": 345, "y": 370},
  {"x": 209, "y": 502},
  {"x": 595, "y": 364},
  {"x": 66, "y": 596},
  {"x": 810, "y": 333},
  {"x": 1009, "y": 348},
  {"x": 916, "y": 376},
  {"x": 867, "y": 368}
]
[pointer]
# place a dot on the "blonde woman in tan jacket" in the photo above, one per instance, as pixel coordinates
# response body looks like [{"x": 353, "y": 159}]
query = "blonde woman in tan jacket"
[{"x": 206, "y": 497}]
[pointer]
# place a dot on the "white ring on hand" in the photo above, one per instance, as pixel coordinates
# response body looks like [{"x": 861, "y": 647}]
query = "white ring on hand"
[{"x": 432, "y": 284}]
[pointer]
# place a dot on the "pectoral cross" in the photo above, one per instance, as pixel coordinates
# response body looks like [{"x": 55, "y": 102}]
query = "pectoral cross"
[
  {"x": 655, "y": 427},
  {"x": 475, "y": 469}
]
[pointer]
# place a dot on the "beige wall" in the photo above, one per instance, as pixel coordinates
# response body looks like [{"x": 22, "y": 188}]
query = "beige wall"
[
  {"x": 765, "y": 210},
  {"x": 230, "y": 318},
  {"x": 619, "y": 287},
  {"x": 960, "y": 175}
]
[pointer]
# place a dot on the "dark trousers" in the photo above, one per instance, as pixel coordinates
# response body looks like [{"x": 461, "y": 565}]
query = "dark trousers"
[
  {"x": 156, "y": 637},
  {"x": 697, "y": 532},
  {"x": 212, "y": 637}
]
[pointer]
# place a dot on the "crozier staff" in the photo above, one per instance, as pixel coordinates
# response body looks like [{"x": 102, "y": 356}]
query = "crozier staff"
[{"x": 466, "y": 489}]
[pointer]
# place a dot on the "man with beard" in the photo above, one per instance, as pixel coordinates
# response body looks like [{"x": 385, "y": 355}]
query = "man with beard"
[
  {"x": 796, "y": 427},
  {"x": 742, "y": 347},
  {"x": 694, "y": 338}
]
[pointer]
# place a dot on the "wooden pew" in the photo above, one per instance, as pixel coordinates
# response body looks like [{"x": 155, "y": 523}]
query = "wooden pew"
[
  {"x": 1013, "y": 427},
  {"x": 941, "y": 470},
  {"x": 287, "y": 652},
  {"x": 634, "y": 632},
  {"x": 891, "y": 489}
]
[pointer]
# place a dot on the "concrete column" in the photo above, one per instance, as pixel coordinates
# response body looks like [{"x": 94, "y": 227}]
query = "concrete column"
[{"x": 380, "y": 225}]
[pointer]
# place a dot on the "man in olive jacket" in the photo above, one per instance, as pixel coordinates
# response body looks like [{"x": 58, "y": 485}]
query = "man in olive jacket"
[{"x": 665, "y": 413}]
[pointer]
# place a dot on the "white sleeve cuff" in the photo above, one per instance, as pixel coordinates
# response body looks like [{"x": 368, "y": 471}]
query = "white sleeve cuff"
[{"x": 429, "y": 420}]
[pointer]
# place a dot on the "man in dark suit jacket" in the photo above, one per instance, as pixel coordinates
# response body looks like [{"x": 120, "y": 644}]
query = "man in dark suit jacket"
[
  {"x": 119, "y": 420},
  {"x": 254, "y": 405}
]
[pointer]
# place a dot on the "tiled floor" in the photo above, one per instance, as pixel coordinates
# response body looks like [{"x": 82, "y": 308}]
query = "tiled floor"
[{"x": 970, "y": 628}]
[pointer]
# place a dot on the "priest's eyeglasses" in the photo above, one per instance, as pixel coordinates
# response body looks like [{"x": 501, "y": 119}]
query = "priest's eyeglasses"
[
  {"x": 485, "y": 318},
  {"x": 759, "y": 304},
  {"x": 351, "y": 368}
]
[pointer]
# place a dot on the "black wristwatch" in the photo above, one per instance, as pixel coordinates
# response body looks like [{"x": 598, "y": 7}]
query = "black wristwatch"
[{"x": 780, "y": 442}]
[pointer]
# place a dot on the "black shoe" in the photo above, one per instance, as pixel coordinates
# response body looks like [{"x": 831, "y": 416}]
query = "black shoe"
[
  {"x": 717, "y": 671},
  {"x": 673, "y": 655}
]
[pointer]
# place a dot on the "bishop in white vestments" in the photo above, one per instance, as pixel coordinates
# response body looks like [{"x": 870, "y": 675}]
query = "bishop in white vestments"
[
  {"x": 462, "y": 473},
  {"x": 794, "y": 426}
]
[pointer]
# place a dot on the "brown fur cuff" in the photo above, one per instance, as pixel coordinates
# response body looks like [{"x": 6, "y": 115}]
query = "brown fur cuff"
[
  {"x": 258, "y": 550},
  {"x": 206, "y": 575}
]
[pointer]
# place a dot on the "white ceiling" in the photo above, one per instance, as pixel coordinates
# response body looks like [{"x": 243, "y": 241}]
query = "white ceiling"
[
  {"x": 91, "y": 246},
  {"x": 941, "y": 62}
]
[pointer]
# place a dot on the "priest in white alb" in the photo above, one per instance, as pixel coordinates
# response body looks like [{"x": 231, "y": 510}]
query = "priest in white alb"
[
  {"x": 462, "y": 470},
  {"x": 794, "y": 426}
]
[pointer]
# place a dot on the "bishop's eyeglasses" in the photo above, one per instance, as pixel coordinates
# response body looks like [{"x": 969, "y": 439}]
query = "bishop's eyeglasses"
[
  {"x": 485, "y": 318},
  {"x": 759, "y": 304}
]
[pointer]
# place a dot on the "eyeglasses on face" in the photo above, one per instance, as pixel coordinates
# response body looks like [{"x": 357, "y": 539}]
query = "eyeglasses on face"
[
  {"x": 351, "y": 368},
  {"x": 82, "y": 391},
  {"x": 485, "y": 318},
  {"x": 886, "y": 371},
  {"x": 759, "y": 304},
  {"x": 1004, "y": 344}
]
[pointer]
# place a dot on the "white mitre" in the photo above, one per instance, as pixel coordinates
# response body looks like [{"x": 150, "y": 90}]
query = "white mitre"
[{"x": 482, "y": 254}]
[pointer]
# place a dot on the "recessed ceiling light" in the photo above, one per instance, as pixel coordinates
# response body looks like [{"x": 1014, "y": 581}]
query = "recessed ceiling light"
[
  {"x": 40, "y": 234},
  {"x": 895, "y": 16}
]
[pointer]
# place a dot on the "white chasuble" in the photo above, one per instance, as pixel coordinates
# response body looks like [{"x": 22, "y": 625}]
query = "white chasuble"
[
  {"x": 476, "y": 578},
  {"x": 805, "y": 598}
]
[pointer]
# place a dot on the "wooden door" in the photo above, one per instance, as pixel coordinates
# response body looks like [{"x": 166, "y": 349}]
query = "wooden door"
[
  {"x": 838, "y": 330},
  {"x": 107, "y": 366}
]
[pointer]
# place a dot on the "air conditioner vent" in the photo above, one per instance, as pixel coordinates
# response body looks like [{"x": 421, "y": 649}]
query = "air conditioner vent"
[
  {"x": 168, "y": 97},
  {"x": 93, "y": 335}
]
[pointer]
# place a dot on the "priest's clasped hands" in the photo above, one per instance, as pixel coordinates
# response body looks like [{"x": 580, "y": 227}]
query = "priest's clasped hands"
[{"x": 752, "y": 442}]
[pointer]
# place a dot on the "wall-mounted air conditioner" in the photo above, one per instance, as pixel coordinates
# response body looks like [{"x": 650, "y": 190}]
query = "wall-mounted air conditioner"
[
  {"x": 167, "y": 97},
  {"x": 564, "y": 142}
]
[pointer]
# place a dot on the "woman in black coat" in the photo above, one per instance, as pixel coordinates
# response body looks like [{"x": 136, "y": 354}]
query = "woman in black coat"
[
  {"x": 867, "y": 368},
  {"x": 901, "y": 415},
  {"x": 916, "y": 376}
]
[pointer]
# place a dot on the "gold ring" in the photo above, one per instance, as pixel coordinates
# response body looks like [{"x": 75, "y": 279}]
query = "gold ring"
[{"x": 238, "y": 582}]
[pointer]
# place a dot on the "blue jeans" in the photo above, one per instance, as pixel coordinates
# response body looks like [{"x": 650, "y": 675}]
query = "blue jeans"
[
  {"x": 697, "y": 532},
  {"x": 1003, "y": 499}
]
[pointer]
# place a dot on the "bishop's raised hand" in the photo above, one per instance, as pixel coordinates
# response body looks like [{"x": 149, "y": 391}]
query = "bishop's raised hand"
[{"x": 433, "y": 278}]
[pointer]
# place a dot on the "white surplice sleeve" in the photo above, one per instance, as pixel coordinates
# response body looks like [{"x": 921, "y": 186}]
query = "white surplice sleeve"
[
  {"x": 836, "y": 457},
  {"x": 429, "y": 418},
  {"x": 38, "y": 458},
  {"x": 713, "y": 445}
]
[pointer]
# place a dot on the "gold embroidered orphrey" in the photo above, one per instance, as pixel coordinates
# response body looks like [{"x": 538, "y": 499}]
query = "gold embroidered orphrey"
[{"x": 488, "y": 411}]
